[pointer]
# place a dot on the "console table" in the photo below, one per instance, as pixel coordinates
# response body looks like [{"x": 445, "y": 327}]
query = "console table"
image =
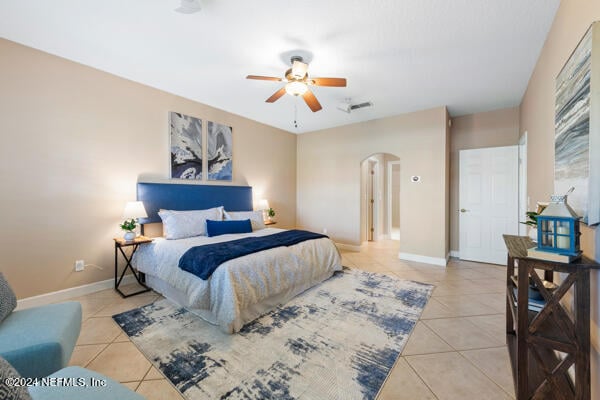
[{"x": 535, "y": 337}]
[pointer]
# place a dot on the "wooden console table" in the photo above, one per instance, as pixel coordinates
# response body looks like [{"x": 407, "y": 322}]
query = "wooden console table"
[{"x": 534, "y": 338}]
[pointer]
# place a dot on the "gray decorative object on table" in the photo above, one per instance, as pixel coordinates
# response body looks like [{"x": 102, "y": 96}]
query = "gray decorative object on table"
[
  {"x": 337, "y": 340},
  {"x": 219, "y": 152},
  {"x": 577, "y": 142},
  {"x": 186, "y": 146},
  {"x": 8, "y": 300}
]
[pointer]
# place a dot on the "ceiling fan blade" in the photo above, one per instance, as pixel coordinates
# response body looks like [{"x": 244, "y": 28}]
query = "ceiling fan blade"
[
  {"x": 276, "y": 95},
  {"x": 335, "y": 82},
  {"x": 311, "y": 101},
  {"x": 264, "y": 78}
]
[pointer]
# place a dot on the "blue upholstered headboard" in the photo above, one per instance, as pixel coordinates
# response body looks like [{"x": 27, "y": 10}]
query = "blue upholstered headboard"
[{"x": 170, "y": 196}]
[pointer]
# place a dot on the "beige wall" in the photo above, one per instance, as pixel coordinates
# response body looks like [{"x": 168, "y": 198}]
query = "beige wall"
[
  {"x": 475, "y": 131},
  {"x": 329, "y": 178},
  {"x": 74, "y": 142},
  {"x": 537, "y": 118}
]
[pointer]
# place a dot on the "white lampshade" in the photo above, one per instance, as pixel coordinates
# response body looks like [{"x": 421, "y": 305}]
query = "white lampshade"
[
  {"x": 134, "y": 210},
  {"x": 263, "y": 204}
]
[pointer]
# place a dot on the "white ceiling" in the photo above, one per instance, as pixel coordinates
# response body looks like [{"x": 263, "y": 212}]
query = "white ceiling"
[{"x": 408, "y": 55}]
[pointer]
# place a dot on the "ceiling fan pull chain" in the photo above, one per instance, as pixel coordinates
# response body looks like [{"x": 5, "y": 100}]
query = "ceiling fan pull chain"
[{"x": 296, "y": 112}]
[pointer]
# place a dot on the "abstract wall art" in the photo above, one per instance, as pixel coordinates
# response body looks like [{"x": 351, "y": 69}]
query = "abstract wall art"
[
  {"x": 577, "y": 135},
  {"x": 219, "y": 152},
  {"x": 186, "y": 146}
]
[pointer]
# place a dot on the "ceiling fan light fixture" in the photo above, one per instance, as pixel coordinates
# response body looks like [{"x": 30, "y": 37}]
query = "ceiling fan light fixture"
[
  {"x": 299, "y": 69},
  {"x": 296, "y": 88}
]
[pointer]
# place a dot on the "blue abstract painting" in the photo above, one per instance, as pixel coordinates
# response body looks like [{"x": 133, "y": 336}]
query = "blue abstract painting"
[
  {"x": 219, "y": 152},
  {"x": 186, "y": 146},
  {"x": 337, "y": 341},
  {"x": 573, "y": 153}
]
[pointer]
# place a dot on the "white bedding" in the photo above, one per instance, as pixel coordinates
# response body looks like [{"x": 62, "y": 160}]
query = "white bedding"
[{"x": 243, "y": 288}]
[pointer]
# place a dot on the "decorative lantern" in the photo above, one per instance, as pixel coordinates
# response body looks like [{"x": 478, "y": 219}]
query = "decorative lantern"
[{"x": 558, "y": 228}]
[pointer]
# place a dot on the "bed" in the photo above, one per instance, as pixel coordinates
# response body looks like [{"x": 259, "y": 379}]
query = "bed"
[{"x": 241, "y": 289}]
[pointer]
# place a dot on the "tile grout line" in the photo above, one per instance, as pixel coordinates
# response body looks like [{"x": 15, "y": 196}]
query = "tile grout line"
[
  {"x": 421, "y": 378},
  {"x": 438, "y": 336},
  {"x": 463, "y": 316},
  {"x": 96, "y": 356},
  {"x": 474, "y": 348},
  {"x": 147, "y": 372},
  {"x": 483, "y": 372}
]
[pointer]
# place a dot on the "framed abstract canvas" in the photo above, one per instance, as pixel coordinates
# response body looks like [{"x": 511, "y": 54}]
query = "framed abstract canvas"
[
  {"x": 186, "y": 146},
  {"x": 219, "y": 152},
  {"x": 577, "y": 128}
]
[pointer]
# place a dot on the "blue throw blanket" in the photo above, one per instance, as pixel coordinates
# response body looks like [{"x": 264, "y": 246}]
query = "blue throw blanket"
[{"x": 202, "y": 261}]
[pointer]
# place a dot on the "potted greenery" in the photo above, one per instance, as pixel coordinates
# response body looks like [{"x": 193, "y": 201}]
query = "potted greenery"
[
  {"x": 129, "y": 226},
  {"x": 532, "y": 220},
  {"x": 270, "y": 213}
]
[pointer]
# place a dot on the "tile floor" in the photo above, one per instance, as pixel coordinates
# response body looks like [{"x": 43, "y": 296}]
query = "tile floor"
[{"x": 457, "y": 350}]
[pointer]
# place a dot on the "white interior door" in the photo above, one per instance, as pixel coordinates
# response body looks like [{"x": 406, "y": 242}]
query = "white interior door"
[{"x": 489, "y": 201}]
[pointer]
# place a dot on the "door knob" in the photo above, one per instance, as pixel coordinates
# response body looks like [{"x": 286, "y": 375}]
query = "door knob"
[{"x": 462, "y": 210}]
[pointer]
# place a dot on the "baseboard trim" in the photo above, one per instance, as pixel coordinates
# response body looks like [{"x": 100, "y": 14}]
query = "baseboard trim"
[
  {"x": 455, "y": 253},
  {"x": 349, "y": 247},
  {"x": 69, "y": 293},
  {"x": 423, "y": 259}
]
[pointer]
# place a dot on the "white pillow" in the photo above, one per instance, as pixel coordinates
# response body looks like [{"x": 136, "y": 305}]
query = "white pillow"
[
  {"x": 255, "y": 217},
  {"x": 184, "y": 224}
]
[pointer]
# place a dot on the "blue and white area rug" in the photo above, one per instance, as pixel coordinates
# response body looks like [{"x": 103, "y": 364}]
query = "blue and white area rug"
[{"x": 337, "y": 340}]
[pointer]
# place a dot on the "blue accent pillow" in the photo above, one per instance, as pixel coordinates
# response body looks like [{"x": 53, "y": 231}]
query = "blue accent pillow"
[{"x": 216, "y": 228}]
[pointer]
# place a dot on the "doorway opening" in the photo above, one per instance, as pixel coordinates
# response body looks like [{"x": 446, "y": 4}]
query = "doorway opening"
[
  {"x": 523, "y": 199},
  {"x": 380, "y": 197}
]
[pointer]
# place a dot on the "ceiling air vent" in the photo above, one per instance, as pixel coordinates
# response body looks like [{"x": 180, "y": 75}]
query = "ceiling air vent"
[{"x": 348, "y": 107}]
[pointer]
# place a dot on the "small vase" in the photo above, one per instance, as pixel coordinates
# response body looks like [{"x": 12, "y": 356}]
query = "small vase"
[{"x": 129, "y": 235}]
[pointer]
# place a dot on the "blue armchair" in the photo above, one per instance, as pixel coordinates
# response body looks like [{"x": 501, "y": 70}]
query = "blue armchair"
[{"x": 39, "y": 341}]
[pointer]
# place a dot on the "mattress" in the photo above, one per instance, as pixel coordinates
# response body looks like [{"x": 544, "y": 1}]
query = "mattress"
[{"x": 241, "y": 289}]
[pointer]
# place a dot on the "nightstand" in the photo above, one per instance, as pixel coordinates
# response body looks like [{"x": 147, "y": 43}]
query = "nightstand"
[
  {"x": 120, "y": 244},
  {"x": 267, "y": 223}
]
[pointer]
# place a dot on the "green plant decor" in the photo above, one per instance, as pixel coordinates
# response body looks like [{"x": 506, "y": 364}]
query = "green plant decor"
[
  {"x": 271, "y": 213},
  {"x": 128, "y": 225},
  {"x": 532, "y": 215},
  {"x": 531, "y": 219}
]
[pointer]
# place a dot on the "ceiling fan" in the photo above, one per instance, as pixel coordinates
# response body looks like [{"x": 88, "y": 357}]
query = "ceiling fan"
[{"x": 298, "y": 82}]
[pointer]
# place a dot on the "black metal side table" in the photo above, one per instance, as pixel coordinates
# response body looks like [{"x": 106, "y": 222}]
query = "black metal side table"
[{"x": 121, "y": 243}]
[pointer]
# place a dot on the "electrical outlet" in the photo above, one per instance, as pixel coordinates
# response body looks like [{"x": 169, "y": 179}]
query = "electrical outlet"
[
  {"x": 324, "y": 231},
  {"x": 79, "y": 265}
]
